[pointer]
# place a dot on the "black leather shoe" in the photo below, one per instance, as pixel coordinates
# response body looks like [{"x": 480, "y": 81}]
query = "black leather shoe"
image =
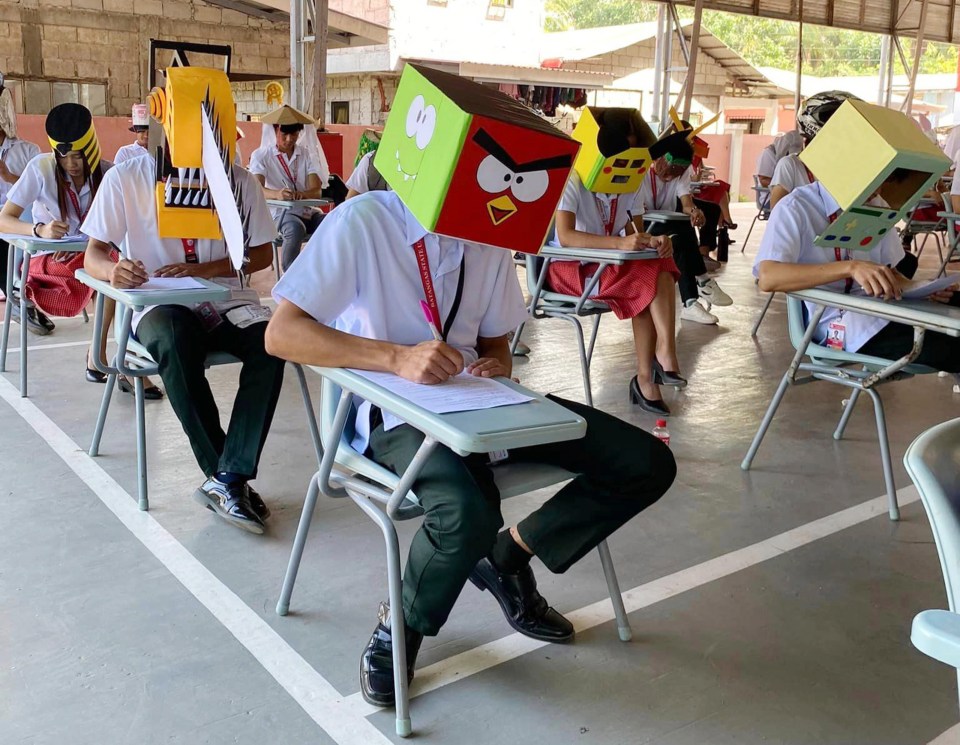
[
  {"x": 654, "y": 407},
  {"x": 376, "y": 662},
  {"x": 34, "y": 323},
  {"x": 231, "y": 502},
  {"x": 257, "y": 504},
  {"x": 524, "y": 607},
  {"x": 667, "y": 377},
  {"x": 95, "y": 376},
  {"x": 150, "y": 392}
]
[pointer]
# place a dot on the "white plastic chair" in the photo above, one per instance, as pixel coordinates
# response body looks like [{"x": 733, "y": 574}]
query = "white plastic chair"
[
  {"x": 386, "y": 497},
  {"x": 762, "y": 199},
  {"x": 834, "y": 366},
  {"x": 933, "y": 462}
]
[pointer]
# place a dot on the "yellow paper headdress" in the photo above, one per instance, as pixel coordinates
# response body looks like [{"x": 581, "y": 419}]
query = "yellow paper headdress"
[
  {"x": 606, "y": 162},
  {"x": 69, "y": 128}
]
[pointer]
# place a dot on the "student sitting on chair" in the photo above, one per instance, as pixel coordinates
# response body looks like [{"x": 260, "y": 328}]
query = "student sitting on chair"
[
  {"x": 288, "y": 170},
  {"x": 126, "y": 213},
  {"x": 605, "y": 213},
  {"x": 667, "y": 188},
  {"x": 353, "y": 299},
  {"x": 786, "y": 144},
  {"x": 811, "y": 241},
  {"x": 140, "y": 126},
  {"x": 790, "y": 172}
]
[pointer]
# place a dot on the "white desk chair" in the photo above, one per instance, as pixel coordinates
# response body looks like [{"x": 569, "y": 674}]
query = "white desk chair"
[
  {"x": 386, "y": 497},
  {"x": 761, "y": 197},
  {"x": 926, "y": 228},
  {"x": 323, "y": 204},
  {"x": 933, "y": 462},
  {"x": 953, "y": 235},
  {"x": 833, "y": 366},
  {"x": 134, "y": 361}
]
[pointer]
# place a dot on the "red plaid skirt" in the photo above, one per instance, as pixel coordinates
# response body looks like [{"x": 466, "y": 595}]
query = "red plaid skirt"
[
  {"x": 713, "y": 191},
  {"x": 628, "y": 289},
  {"x": 53, "y": 288}
]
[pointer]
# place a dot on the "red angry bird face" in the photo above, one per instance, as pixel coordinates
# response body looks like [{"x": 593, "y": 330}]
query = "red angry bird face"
[{"x": 506, "y": 186}]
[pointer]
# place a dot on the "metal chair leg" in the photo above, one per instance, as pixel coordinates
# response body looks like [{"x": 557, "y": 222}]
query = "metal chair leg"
[
  {"x": 86, "y": 316},
  {"x": 765, "y": 424},
  {"x": 763, "y": 313},
  {"x": 8, "y": 308},
  {"x": 516, "y": 338},
  {"x": 311, "y": 414},
  {"x": 893, "y": 506},
  {"x": 616, "y": 597},
  {"x": 102, "y": 415},
  {"x": 847, "y": 413},
  {"x": 296, "y": 553},
  {"x": 745, "y": 240},
  {"x": 141, "y": 443}
]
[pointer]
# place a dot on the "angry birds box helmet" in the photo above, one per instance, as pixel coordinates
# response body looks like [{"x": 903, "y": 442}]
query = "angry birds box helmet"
[
  {"x": 472, "y": 163},
  {"x": 606, "y": 162},
  {"x": 866, "y": 150}
]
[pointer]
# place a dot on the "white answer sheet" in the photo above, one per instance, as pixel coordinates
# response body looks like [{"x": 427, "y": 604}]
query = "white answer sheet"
[
  {"x": 168, "y": 284},
  {"x": 464, "y": 392}
]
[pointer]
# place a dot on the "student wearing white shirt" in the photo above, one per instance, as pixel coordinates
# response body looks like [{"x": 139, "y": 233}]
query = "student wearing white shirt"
[
  {"x": 179, "y": 338},
  {"x": 140, "y": 126},
  {"x": 14, "y": 156},
  {"x": 789, "y": 261},
  {"x": 366, "y": 177},
  {"x": 786, "y": 144},
  {"x": 639, "y": 290},
  {"x": 667, "y": 188},
  {"x": 289, "y": 171},
  {"x": 352, "y": 299}
]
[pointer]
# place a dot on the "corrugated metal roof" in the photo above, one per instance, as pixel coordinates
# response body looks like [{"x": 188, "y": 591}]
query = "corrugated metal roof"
[{"x": 877, "y": 16}]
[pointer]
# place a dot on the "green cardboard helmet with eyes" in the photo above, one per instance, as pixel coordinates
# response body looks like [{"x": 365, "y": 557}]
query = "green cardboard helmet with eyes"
[
  {"x": 866, "y": 151},
  {"x": 471, "y": 162}
]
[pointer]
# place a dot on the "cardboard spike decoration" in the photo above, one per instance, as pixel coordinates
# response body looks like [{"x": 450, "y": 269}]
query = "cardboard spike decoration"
[
  {"x": 620, "y": 172},
  {"x": 69, "y": 128},
  {"x": 701, "y": 147},
  {"x": 187, "y": 204},
  {"x": 855, "y": 155},
  {"x": 472, "y": 163}
]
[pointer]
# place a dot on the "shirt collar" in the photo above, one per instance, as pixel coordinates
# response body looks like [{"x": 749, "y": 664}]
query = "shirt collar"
[
  {"x": 413, "y": 230},
  {"x": 830, "y": 205},
  {"x": 276, "y": 151}
]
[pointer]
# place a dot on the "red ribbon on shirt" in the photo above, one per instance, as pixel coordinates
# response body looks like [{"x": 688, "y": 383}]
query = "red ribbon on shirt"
[
  {"x": 607, "y": 224},
  {"x": 653, "y": 186},
  {"x": 423, "y": 264},
  {"x": 75, "y": 200},
  {"x": 286, "y": 169}
]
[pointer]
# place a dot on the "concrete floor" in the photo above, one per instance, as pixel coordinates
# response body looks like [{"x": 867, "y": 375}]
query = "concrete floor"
[{"x": 760, "y": 614}]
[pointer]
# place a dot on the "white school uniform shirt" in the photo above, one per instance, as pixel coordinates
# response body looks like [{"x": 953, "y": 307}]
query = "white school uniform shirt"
[
  {"x": 124, "y": 213},
  {"x": 15, "y": 154},
  {"x": 667, "y": 192},
  {"x": 767, "y": 162},
  {"x": 37, "y": 187},
  {"x": 790, "y": 174},
  {"x": 358, "y": 179},
  {"x": 265, "y": 162},
  {"x": 359, "y": 274},
  {"x": 791, "y": 230},
  {"x": 592, "y": 209},
  {"x": 127, "y": 152}
]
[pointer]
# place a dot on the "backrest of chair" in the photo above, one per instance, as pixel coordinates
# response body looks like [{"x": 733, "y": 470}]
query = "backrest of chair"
[
  {"x": 796, "y": 323},
  {"x": 761, "y": 195},
  {"x": 951, "y": 225},
  {"x": 933, "y": 463}
]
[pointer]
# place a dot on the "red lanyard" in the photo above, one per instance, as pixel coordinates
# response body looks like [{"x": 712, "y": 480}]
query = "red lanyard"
[
  {"x": 608, "y": 223},
  {"x": 653, "y": 185},
  {"x": 286, "y": 168},
  {"x": 423, "y": 264},
  {"x": 809, "y": 173},
  {"x": 74, "y": 199},
  {"x": 190, "y": 251}
]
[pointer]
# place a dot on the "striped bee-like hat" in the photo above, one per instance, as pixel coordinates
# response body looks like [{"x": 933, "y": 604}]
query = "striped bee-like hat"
[{"x": 70, "y": 127}]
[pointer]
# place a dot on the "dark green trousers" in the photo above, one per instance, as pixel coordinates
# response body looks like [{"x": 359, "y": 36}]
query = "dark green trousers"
[
  {"x": 178, "y": 342},
  {"x": 622, "y": 470}
]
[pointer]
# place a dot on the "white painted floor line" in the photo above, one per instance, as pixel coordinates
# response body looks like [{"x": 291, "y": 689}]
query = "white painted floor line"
[
  {"x": 56, "y": 345},
  {"x": 318, "y": 698},
  {"x": 503, "y": 650}
]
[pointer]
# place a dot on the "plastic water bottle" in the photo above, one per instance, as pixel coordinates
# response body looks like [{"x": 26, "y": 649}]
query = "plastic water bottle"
[{"x": 661, "y": 433}]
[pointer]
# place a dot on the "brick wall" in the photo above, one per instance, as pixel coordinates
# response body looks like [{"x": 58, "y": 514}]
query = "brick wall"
[
  {"x": 107, "y": 41},
  {"x": 363, "y": 94},
  {"x": 375, "y": 11}
]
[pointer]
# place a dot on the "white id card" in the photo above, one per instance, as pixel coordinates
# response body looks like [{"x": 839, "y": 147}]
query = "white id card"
[
  {"x": 498, "y": 456},
  {"x": 247, "y": 315}
]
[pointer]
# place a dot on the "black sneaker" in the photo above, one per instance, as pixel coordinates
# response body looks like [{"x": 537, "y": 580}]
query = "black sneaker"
[
  {"x": 257, "y": 503},
  {"x": 37, "y": 322},
  {"x": 231, "y": 502}
]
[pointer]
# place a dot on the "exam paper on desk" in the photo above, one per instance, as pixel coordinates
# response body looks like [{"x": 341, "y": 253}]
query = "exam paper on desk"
[
  {"x": 464, "y": 392},
  {"x": 921, "y": 288},
  {"x": 169, "y": 283}
]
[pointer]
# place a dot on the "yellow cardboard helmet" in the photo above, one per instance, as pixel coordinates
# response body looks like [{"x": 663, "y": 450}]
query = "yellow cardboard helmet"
[
  {"x": 864, "y": 151},
  {"x": 69, "y": 128},
  {"x": 606, "y": 162},
  {"x": 184, "y": 205}
]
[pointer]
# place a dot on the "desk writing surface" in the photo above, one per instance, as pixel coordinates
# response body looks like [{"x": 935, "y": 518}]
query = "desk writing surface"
[
  {"x": 927, "y": 314},
  {"x": 297, "y": 203},
  {"x": 31, "y": 244},
  {"x": 612, "y": 255},
  {"x": 211, "y": 292},
  {"x": 537, "y": 422}
]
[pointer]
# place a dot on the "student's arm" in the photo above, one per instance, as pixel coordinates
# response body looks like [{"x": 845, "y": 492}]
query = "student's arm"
[
  {"x": 697, "y": 218},
  {"x": 764, "y": 180},
  {"x": 6, "y": 174},
  {"x": 955, "y": 202},
  {"x": 260, "y": 258},
  {"x": 313, "y": 188},
  {"x": 878, "y": 280},
  {"x": 124, "y": 274},
  {"x": 273, "y": 193},
  {"x": 776, "y": 194},
  {"x": 351, "y": 193},
  {"x": 569, "y": 236},
  {"x": 11, "y": 223},
  {"x": 294, "y": 335},
  {"x": 494, "y": 358}
]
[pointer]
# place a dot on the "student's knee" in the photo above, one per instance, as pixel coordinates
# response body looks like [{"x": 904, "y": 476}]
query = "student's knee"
[
  {"x": 647, "y": 476},
  {"x": 159, "y": 331},
  {"x": 293, "y": 230},
  {"x": 467, "y": 522}
]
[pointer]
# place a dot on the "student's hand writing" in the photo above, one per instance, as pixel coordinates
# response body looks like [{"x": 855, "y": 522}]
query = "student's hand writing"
[
  {"x": 128, "y": 274},
  {"x": 697, "y": 218},
  {"x": 429, "y": 362},
  {"x": 489, "y": 367},
  {"x": 288, "y": 194},
  {"x": 56, "y": 229},
  {"x": 182, "y": 269},
  {"x": 877, "y": 279},
  {"x": 662, "y": 243},
  {"x": 632, "y": 242}
]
